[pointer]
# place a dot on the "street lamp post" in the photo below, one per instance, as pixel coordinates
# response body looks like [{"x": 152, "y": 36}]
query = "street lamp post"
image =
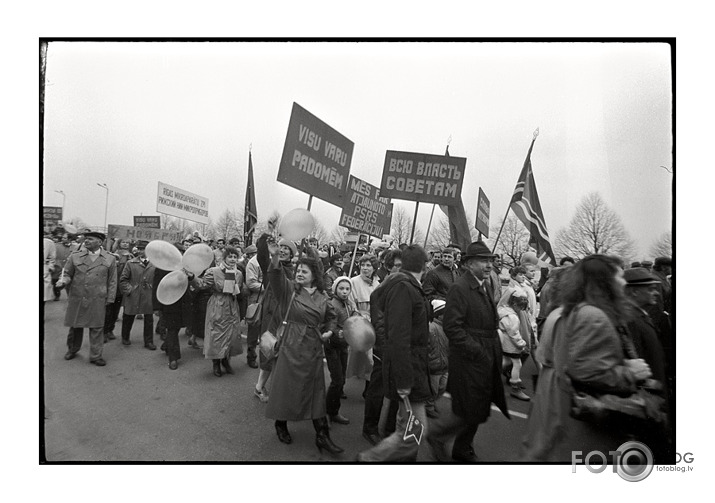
[
  {"x": 63, "y": 203},
  {"x": 106, "y": 203}
]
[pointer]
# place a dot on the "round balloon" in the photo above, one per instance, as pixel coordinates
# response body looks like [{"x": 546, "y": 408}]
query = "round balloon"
[
  {"x": 71, "y": 229},
  {"x": 163, "y": 255},
  {"x": 172, "y": 287},
  {"x": 359, "y": 333},
  {"x": 296, "y": 224},
  {"x": 197, "y": 258},
  {"x": 529, "y": 258}
]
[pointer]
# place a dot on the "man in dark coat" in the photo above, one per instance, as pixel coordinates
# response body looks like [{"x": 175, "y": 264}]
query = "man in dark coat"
[
  {"x": 475, "y": 356},
  {"x": 173, "y": 317},
  {"x": 136, "y": 284},
  {"x": 437, "y": 282},
  {"x": 405, "y": 364},
  {"x": 92, "y": 276}
]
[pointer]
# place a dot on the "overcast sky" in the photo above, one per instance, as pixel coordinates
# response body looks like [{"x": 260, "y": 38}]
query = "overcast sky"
[{"x": 133, "y": 114}]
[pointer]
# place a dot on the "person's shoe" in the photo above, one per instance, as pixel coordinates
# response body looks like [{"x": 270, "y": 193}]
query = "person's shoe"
[
  {"x": 99, "y": 362},
  {"x": 227, "y": 365},
  {"x": 343, "y": 396},
  {"x": 110, "y": 335},
  {"x": 217, "y": 368},
  {"x": 126, "y": 342},
  {"x": 192, "y": 343},
  {"x": 173, "y": 365},
  {"x": 323, "y": 441},
  {"x": 150, "y": 346},
  {"x": 373, "y": 438},
  {"x": 261, "y": 394},
  {"x": 252, "y": 364},
  {"x": 339, "y": 418},
  {"x": 163, "y": 347},
  {"x": 69, "y": 355},
  {"x": 518, "y": 393},
  {"x": 465, "y": 457},
  {"x": 283, "y": 435}
]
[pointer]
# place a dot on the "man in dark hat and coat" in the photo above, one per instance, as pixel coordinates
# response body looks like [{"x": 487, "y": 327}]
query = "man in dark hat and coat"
[
  {"x": 475, "y": 356},
  {"x": 91, "y": 275},
  {"x": 136, "y": 284}
]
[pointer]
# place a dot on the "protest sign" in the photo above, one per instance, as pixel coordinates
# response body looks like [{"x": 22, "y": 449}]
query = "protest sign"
[
  {"x": 142, "y": 233},
  {"x": 482, "y": 221},
  {"x": 151, "y": 222},
  {"x": 316, "y": 158},
  {"x": 52, "y": 214},
  {"x": 181, "y": 203},
  {"x": 364, "y": 210},
  {"x": 423, "y": 177}
]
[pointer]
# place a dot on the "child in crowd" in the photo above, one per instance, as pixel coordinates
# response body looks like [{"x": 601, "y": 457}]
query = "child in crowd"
[
  {"x": 514, "y": 335},
  {"x": 438, "y": 357}
]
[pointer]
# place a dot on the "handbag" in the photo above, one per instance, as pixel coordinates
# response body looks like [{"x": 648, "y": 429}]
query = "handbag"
[
  {"x": 253, "y": 311},
  {"x": 270, "y": 343},
  {"x": 640, "y": 410},
  {"x": 236, "y": 347}
]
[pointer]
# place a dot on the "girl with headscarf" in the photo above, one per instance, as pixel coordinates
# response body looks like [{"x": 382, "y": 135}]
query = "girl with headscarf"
[{"x": 513, "y": 335}]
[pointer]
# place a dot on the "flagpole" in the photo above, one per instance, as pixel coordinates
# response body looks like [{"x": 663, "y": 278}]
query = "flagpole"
[
  {"x": 496, "y": 241},
  {"x": 414, "y": 222},
  {"x": 352, "y": 260},
  {"x": 429, "y": 224}
]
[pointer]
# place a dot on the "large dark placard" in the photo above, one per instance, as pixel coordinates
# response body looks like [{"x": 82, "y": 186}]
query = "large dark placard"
[
  {"x": 481, "y": 223},
  {"x": 150, "y": 222},
  {"x": 364, "y": 210},
  {"x": 316, "y": 158},
  {"x": 52, "y": 214},
  {"x": 424, "y": 178}
]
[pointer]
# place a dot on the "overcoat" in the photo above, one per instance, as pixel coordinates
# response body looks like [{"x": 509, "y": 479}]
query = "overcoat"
[
  {"x": 49, "y": 258},
  {"x": 298, "y": 389},
  {"x": 92, "y": 285},
  {"x": 136, "y": 285},
  {"x": 583, "y": 349},
  {"x": 222, "y": 313},
  {"x": 475, "y": 353},
  {"x": 405, "y": 364}
]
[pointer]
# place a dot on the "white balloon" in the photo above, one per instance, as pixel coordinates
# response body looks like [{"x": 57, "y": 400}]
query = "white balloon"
[
  {"x": 197, "y": 258},
  {"x": 359, "y": 333},
  {"x": 296, "y": 224},
  {"x": 172, "y": 287},
  {"x": 163, "y": 255},
  {"x": 71, "y": 229}
]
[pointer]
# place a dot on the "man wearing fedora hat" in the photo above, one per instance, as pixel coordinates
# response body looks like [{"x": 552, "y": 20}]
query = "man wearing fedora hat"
[
  {"x": 136, "y": 284},
  {"x": 91, "y": 275},
  {"x": 642, "y": 292},
  {"x": 475, "y": 356}
]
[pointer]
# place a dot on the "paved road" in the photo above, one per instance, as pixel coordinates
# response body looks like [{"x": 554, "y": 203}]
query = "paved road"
[{"x": 137, "y": 409}]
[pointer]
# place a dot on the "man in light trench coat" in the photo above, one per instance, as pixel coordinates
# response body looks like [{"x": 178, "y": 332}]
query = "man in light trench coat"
[{"x": 91, "y": 275}]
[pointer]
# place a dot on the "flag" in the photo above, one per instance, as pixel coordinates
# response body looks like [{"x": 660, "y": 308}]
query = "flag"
[
  {"x": 250, "y": 214},
  {"x": 459, "y": 232},
  {"x": 525, "y": 204}
]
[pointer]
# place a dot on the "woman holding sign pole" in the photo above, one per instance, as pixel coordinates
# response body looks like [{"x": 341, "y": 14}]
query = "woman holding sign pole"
[{"x": 298, "y": 390}]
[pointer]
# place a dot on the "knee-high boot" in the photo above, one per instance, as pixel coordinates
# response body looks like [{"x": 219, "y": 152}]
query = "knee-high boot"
[{"x": 217, "y": 368}]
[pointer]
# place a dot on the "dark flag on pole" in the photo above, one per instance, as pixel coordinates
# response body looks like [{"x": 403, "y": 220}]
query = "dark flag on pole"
[
  {"x": 525, "y": 204},
  {"x": 250, "y": 214},
  {"x": 459, "y": 232}
]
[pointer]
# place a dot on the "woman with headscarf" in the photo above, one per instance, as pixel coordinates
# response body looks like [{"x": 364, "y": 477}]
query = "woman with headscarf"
[
  {"x": 584, "y": 348},
  {"x": 298, "y": 389},
  {"x": 222, "y": 311},
  {"x": 336, "y": 348}
]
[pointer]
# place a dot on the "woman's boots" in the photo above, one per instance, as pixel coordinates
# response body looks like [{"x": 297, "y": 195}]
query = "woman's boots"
[
  {"x": 282, "y": 432},
  {"x": 322, "y": 437},
  {"x": 217, "y": 368},
  {"x": 227, "y": 365}
]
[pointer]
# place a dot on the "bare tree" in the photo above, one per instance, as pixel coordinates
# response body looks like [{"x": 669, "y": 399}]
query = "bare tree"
[
  {"x": 229, "y": 225},
  {"x": 319, "y": 233},
  {"x": 663, "y": 246},
  {"x": 595, "y": 228},
  {"x": 338, "y": 234},
  {"x": 439, "y": 236},
  {"x": 402, "y": 227},
  {"x": 513, "y": 240}
]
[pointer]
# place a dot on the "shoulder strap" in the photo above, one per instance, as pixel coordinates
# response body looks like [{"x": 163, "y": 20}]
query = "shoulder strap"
[{"x": 285, "y": 318}]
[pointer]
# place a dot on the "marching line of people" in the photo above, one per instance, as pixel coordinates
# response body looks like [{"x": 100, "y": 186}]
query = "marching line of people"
[{"x": 444, "y": 325}]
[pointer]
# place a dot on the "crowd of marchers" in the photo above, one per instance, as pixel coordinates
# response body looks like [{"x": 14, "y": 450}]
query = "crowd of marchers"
[{"x": 451, "y": 337}]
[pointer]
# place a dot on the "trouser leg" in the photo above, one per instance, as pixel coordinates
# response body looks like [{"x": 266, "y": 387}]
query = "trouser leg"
[
  {"x": 173, "y": 349},
  {"x": 373, "y": 400},
  {"x": 127, "y": 322},
  {"x": 442, "y": 429},
  {"x": 465, "y": 438},
  {"x": 148, "y": 329},
  {"x": 96, "y": 343},
  {"x": 337, "y": 380},
  {"x": 74, "y": 339},
  {"x": 252, "y": 341}
]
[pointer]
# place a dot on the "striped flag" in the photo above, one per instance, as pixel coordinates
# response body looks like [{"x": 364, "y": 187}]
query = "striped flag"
[
  {"x": 525, "y": 204},
  {"x": 250, "y": 213}
]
